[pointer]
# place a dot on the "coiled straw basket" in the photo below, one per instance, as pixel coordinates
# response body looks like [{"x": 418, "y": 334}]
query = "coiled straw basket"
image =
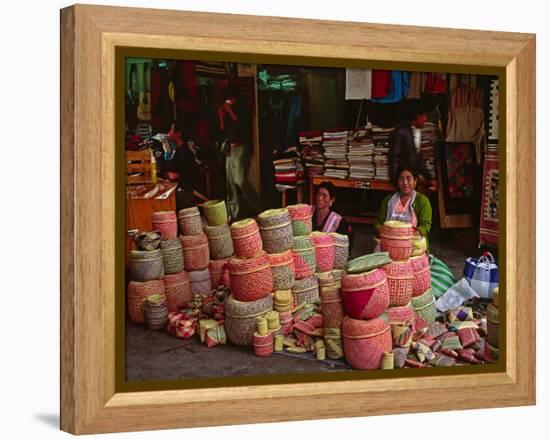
[
  {"x": 196, "y": 252},
  {"x": 189, "y": 221},
  {"x": 282, "y": 270},
  {"x": 400, "y": 276},
  {"x": 146, "y": 265},
  {"x": 424, "y": 308},
  {"x": 215, "y": 212},
  {"x": 219, "y": 241},
  {"x": 396, "y": 238},
  {"x": 365, "y": 342},
  {"x": 247, "y": 241},
  {"x": 306, "y": 290},
  {"x": 250, "y": 279},
  {"x": 276, "y": 230},
  {"x": 422, "y": 275},
  {"x": 240, "y": 318},
  {"x": 341, "y": 250},
  {"x": 200, "y": 282},
  {"x": 216, "y": 271},
  {"x": 365, "y": 295},
  {"x": 301, "y": 215},
  {"x": 172, "y": 255},
  {"x": 166, "y": 223},
  {"x": 177, "y": 289},
  {"x": 324, "y": 250},
  {"x": 137, "y": 295},
  {"x": 303, "y": 253}
]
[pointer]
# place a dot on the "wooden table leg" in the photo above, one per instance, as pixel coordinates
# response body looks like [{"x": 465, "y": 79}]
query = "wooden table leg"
[{"x": 283, "y": 195}]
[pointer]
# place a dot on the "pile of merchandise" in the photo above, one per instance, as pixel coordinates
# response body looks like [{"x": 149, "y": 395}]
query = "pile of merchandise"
[
  {"x": 289, "y": 172},
  {"x": 430, "y": 136},
  {"x": 361, "y": 155},
  {"x": 312, "y": 152},
  {"x": 335, "y": 144},
  {"x": 380, "y": 137}
]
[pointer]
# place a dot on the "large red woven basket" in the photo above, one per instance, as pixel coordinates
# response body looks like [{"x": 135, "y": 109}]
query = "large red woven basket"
[
  {"x": 137, "y": 296},
  {"x": 166, "y": 222},
  {"x": 247, "y": 241},
  {"x": 422, "y": 275},
  {"x": 365, "y": 342},
  {"x": 365, "y": 295},
  {"x": 250, "y": 279},
  {"x": 324, "y": 250},
  {"x": 196, "y": 252},
  {"x": 177, "y": 290},
  {"x": 400, "y": 276}
]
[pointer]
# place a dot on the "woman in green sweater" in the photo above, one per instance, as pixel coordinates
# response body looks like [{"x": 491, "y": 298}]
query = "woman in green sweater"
[{"x": 406, "y": 205}]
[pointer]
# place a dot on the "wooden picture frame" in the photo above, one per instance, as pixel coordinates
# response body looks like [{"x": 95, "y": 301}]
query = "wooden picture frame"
[{"x": 90, "y": 36}]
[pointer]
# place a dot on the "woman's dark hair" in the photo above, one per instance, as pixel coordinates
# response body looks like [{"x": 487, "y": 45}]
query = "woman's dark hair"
[
  {"x": 402, "y": 168},
  {"x": 329, "y": 187}
]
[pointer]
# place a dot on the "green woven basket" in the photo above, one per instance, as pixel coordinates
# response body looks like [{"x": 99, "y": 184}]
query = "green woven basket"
[
  {"x": 215, "y": 212},
  {"x": 368, "y": 262}
]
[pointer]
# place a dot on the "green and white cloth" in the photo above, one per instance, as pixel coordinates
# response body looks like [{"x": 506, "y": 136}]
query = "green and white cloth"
[{"x": 442, "y": 277}]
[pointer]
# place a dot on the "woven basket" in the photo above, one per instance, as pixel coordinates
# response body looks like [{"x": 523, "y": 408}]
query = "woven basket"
[
  {"x": 422, "y": 275},
  {"x": 341, "y": 250},
  {"x": 262, "y": 344},
  {"x": 282, "y": 270},
  {"x": 303, "y": 253},
  {"x": 250, "y": 279},
  {"x": 492, "y": 325},
  {"x": 367, "y": 262},
  {"x": 424, "y": 308},
  {"x": 400, "y": 282},
  {"x": 338, "y": 275},
  {"x": 332, "y": 307},
  {"x": 196, "y": 252},
  {"x": 333, "y": 343},
  {"x": 365, "y": 295},
  {"x": 396, "y": 230},
  {"x": 306, "y": 291},
  {"x": 216, "y": 271},
  {"x": 200, "y": 282},
  {"x": 166, "y": 222},
  {"x": 240, "y": 318},
  {"x": 137, "y": 296},
  {"x": 219, "y": 241},
  {"x": 365, "y": 342},
  {"x": 326, "y": 279},
  {"x": 156, "y": 312},
  {"x": 247, "y": 241},
  {"x": 189, "y": 221},
  {"x": 282, "y": 300},
  {"x": 401, "y": 319},
  {"x": 146, "y": 265},
  {"x": 147, "y": 241},
  {"x": 398, "y": 249},
  {"x": 177, "y": 290},
  {"x": 215, "y": 212},
  {"x": 301, "y": 215},
  {"x": 324, "y": 250},
  {"x": 172, "y": 256},
  {"x": 276, "y": 230}
]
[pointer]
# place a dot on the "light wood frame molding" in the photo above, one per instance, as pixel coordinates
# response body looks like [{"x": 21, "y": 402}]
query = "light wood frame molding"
[{"x": 89, "y": 36}]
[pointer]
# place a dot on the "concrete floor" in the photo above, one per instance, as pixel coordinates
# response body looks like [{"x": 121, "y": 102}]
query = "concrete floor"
[{"x": 155, "y": 355}]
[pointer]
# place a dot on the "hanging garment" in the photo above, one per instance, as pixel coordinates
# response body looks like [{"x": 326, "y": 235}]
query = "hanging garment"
[
  {"x": 488, "y": 230},
  {"x": 399, "y": 90},
  {"x": 435, "y": 83},
  {"x": 381, "y": 83},
  {"x": 467, "y": 125},
  {"x": 415, "y": 85}
]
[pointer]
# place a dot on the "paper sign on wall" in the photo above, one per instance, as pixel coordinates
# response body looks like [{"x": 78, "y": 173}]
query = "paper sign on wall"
[{"x": 358, "y": 84}]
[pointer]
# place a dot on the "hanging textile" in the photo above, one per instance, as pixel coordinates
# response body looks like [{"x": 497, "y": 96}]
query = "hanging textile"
[
  {"x": 460, "y": 170},
  {"x": 492, "y": 135},
  {"x": 415, "y": 85},
  {"x": 381, "y": 83},
  {"x": 488, "y": 231},
  {"x": 399, "y": 88}
]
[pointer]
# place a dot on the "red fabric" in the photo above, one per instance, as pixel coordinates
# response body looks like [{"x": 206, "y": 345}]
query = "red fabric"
[
  {"x": 436, "y": 83},
  {"x": 381, "y": 83},
  {"x": 187, "y": 89}
]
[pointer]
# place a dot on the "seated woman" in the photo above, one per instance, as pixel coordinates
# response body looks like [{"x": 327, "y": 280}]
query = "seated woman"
[
  {"x": 406, "y": 204},
  {"x": 324, "y": 218}
]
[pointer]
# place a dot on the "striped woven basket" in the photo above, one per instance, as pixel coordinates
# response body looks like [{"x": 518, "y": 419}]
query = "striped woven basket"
[
  {"x": 276, "y": 230},
  {"x": 240, "y": 318},
  {"x": 306, "y": 290},
  {"x": 215, "y": 212},
  {"x": 400, "y": 276},
  {"x": 365, "y": 295},
  {"x": 365, "y": 342},
  {"x": 324, "y": 250},
  {"x": 216, "y": 271},
  {"x": 282, "y": 300},
  {"x": 326, "y": 279},
  {"x": 156, "y": 312},
  {"x": 422, "y": 275},
  {"x": 332, "y": 307},
  {"x": 137, "y": 296},
  {"x": 492, "y": 325},
  {"x": 424, "y": 308},
  {"x": 262, "y": 344},
  {"x": 219, "y": 241},
  {"x": 177, "y": 289},
  {"x": 146, "y": 265},
  {"x": 189, "y": 221},
  {"x": 172, "y": 256},
  {"x": 338, "y": 275},
  {"x": 303, "y": 253},
  {"x": 341, "y": 250},
  {"x": 396, "y": 230},
  {"x": 282, "y": 270},
  {"x": 196, "y": 252},
  {"x": 396, "y": 238},
  {"x": 200, "y": 282},
  {"x": 250, "y": 279},
  {"x": 166, "y": 222},
  {"x": 301, "y": 215},
  {"x": 333, "y": 343},
  {"x": 247, "y": 241}
]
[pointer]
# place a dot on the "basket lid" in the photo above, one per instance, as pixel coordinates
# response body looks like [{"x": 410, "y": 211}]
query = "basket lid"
[{"x": 368, "y": 262}]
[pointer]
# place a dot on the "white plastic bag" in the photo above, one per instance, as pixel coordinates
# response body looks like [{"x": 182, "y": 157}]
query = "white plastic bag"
[{"x": 455, "y": 296}]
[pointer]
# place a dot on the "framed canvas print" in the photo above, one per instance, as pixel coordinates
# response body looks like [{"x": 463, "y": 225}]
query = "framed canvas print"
[{"x": 260, "y": 228}]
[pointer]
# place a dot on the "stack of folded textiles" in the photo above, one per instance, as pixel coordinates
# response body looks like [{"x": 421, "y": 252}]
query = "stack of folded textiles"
[
  {"x": 288, "y": 169},
  {"x": 312, "y": 152},
  {"x": 360, "y": 154},
  {"x": 430, "y": 135},
  {"x": 335, "y": 144},
  {"x": 380, "y": 137}
]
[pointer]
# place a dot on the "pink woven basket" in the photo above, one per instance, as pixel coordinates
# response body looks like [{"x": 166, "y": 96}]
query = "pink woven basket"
[
  {"x": 247, "y": 241},
  {"x": 200, "y": 282},
  {"x": 331, "y": 307},
  {"x": 422, "y": 275},
  {"x": 262, "y": 344},
  {"x": 177, "y": 290},
  {"x": 398, "y": 249},
  {"x": 303, "y": 253},
  {"x": 365, "y": 295},
  {"x": 324, "y": 250},
  {"x": 396, "y": 230},
  {"x": 282, "y": 270},
  {"x": 137, "y": 297},
  {"x": 301, "y": 215},
  {"x": 166, "y": 222},
  {"x": 216, "y": 271},
  {"x": 196, "y": 252},
  {"x": 365, "y": 342},
  {"x": 250, "y": 279},
  {"x": 401, "y": 315},
  {"x": 400, "y": 282}
]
